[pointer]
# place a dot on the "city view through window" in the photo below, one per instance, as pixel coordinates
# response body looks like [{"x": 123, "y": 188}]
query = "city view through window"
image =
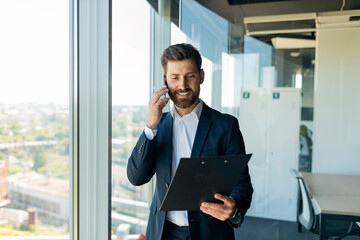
[
  {"x": 34, "y": 119},
  {"x": 34, "y": 168},
  {"x": 130, "y": 97}
]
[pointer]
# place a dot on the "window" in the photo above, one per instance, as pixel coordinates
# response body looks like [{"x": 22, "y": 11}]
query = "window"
[
  {"x": 256, "y": 83},
  {"x": 34, "y": 118},
  {"x": 130, "y": 97}
]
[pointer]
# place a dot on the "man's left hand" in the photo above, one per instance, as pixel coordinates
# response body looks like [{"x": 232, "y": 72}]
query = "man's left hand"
[{"x": 222, "y": 211}]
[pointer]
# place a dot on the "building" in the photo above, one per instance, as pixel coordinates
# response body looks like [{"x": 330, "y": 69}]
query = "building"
[
  {"x": 3, "y": 191},
  {"x": 14, "y": 217},
  {"x": 49, "y": 195}
]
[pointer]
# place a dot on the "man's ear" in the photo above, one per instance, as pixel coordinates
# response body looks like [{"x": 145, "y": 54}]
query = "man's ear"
[{"x": 202, "y": 76}]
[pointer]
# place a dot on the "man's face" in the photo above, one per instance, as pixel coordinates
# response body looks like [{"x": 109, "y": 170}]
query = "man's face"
[{"x": 183, "y": 80}]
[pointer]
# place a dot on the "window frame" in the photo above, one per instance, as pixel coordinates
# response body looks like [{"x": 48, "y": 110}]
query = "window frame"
[
  {"x": 91, "y": 102},
  {"x": 93, "y": 111}
]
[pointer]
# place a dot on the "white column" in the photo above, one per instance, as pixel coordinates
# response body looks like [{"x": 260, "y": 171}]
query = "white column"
[
  {"x": 94, "y": 119},
  {"x": 336, "y": 146}
]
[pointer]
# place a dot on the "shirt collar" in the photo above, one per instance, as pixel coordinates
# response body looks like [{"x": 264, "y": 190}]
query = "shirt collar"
[{"x": 197, "y": 110}]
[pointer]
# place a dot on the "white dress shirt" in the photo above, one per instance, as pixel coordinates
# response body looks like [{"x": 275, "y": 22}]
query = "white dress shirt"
[{"x": 184, "y": 130}]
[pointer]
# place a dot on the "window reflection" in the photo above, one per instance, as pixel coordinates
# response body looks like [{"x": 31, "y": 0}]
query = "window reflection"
[{"x": 267, "y": 89}]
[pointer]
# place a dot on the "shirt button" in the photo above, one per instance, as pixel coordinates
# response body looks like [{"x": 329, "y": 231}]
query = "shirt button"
[{"x": 167, "y": 185}]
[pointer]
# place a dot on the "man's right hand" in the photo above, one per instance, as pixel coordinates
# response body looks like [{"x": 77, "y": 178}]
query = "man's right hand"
[
  {"x": 156, "y": 105},
  {"x": 141, "y": 237}
]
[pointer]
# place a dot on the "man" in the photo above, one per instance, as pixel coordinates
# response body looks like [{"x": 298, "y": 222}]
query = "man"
[{"x": 190, "y": 129}]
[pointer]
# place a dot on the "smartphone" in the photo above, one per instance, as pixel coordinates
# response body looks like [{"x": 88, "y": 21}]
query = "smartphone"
[
  {"x": 165, "y": 81},
  {"x": 167, "y": 94}
]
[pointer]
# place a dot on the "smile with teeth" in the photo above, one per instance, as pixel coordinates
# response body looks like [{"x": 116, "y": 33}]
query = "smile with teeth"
[{"x": 183, "y": 94}]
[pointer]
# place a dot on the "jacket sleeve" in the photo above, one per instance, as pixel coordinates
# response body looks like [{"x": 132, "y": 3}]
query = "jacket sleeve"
[
  {"x": 242, "y": 192},
  {"x": 141, "y": 164}
]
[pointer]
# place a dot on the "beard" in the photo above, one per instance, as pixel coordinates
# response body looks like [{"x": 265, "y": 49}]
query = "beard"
[{"x": 184, "y": 103}]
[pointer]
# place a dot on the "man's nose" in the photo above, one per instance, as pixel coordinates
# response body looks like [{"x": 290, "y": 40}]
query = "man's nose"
[{"x": 183, "y": 83}]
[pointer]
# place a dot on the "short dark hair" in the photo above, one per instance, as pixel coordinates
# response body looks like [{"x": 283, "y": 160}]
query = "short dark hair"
[{"x": 180, "y": 52}]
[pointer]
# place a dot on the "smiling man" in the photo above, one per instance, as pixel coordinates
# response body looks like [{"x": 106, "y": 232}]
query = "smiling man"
[{"x": 190, "y": 129}]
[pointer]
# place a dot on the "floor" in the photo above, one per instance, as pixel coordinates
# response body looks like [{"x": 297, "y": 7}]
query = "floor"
[{"x": 267, "y": 229}]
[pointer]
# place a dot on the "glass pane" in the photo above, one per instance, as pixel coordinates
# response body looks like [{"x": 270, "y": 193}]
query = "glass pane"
[
  {"x": 278, "y": 83},
  {"x": 130, "y": 96},
  {"x": 270, "y": 91},
  {"x": 210, "y": 37},
  {"x": 268, "y": 83},
  {"x": 34, "y": 118}
]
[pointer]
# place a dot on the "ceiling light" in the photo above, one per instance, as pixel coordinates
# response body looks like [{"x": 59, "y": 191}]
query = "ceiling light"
[
  {"x": 292, "y": 43},
  {"x": 294, "y": 54}
]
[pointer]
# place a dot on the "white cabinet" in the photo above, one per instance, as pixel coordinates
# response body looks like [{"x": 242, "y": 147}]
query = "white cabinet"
[{"x": 270, "y": 121}]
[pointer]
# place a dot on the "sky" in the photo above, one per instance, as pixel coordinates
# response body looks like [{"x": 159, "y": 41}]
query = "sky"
[
  {"x": 131, "y": 52},
  {"x": 34, "y": 51}
]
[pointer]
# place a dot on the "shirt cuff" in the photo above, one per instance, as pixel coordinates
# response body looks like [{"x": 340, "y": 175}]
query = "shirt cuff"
[{"x": 150, "y": 133}]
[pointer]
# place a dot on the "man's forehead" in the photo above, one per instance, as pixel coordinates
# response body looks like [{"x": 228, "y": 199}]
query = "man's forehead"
[
  {"x": 188, "y": 64},
  {"x": 176, "y": 73}
]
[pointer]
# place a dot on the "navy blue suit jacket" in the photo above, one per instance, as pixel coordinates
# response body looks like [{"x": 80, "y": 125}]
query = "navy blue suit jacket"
[{"x": 217, "y": 134}]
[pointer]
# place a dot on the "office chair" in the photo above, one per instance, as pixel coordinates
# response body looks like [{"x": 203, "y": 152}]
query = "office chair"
[
  {"x": 306, "y": 214},
  {"x": 308, "y": 219}
]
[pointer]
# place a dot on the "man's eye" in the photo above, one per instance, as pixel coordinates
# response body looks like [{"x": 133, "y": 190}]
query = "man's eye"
[{"x": 191, "y": 76}]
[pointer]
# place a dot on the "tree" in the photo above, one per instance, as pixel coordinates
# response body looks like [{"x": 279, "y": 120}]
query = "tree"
[
  {"x": 57, "y": 168},
  {"x": 2, "y": 156},
  {"x": 39, "y": 158}
]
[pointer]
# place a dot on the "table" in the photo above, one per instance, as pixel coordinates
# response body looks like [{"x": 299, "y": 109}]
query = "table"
[{"x": 336, "y": 196}]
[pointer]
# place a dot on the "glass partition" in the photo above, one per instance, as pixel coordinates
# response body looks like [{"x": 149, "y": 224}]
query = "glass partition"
[{"x": 269, "y": 90}]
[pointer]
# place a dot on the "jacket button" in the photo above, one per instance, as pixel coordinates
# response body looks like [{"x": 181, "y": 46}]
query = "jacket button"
[
  {"x": 141, "y": 147},
  {"x": 191, "y": 220}
]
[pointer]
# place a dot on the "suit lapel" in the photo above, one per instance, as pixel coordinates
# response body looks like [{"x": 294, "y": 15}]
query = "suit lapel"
[
  {"x": 202, "y": 131},
  {"x": 167, "y": 130}
]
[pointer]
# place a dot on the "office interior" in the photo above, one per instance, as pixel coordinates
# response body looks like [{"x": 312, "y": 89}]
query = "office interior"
[{"x": 76, "y": 78}]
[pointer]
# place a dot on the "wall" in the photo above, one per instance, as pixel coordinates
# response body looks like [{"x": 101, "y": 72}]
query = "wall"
[{"x": 336, "y": 102}]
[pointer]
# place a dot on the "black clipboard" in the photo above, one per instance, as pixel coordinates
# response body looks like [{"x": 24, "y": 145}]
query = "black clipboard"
[{"x": 196, "y": 180}]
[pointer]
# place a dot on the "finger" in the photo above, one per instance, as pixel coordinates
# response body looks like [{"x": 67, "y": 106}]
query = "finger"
[
  {"x": 223, "y": 198},
  {"x": 162, "y": 102},
  {"x": 214, "y": 206},
  {"x": 141, "y": 237},
  {"x": 162, "y": 91},
  {"x": 223, "y": 209},
  {"x": 157, "y": 95},
  {"x": 214, "y": 213},
  {"x": 221, "y": 214}
]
